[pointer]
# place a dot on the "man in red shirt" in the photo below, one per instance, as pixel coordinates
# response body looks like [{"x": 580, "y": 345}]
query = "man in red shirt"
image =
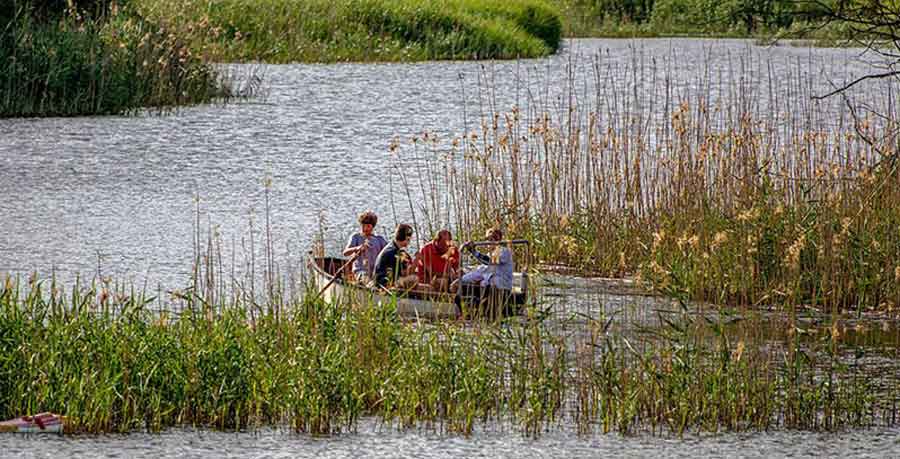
[{"x": 438, "y": 262}]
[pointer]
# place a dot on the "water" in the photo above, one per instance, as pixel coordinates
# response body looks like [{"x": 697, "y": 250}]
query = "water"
[
  {"x": 118, "y": 196},
  {"x": 374, "y": 442}
]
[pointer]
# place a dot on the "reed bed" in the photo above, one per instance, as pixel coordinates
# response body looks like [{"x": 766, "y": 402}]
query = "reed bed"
[
  {"x": 739, "y": 191},
  {"x": 67, "y": 64},
  {"x": 115, "y": 360}
]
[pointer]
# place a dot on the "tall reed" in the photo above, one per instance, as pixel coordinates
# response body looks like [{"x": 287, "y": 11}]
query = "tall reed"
[
  {"x": 112, "y": 360},
  {"x": 739, "y": 190},
  {"x": 110, "y": 64}
]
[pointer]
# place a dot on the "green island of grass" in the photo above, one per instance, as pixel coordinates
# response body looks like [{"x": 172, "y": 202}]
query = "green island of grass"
[{"x": 281, "y": 31}]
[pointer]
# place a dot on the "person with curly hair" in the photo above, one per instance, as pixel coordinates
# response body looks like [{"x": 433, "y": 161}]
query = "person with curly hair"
[{"x": 367, "y": 245}]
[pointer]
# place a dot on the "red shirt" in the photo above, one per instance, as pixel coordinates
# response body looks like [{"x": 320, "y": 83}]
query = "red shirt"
[{"x": 437, "y": 264}]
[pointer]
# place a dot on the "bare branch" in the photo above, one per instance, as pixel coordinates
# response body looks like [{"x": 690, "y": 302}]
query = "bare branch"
[{"x": 857, "y": 81}]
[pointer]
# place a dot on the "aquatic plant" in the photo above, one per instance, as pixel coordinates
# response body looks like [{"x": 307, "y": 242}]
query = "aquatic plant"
[
  {"x": 116, "y": 360},
  {"x": 733, "y": 196},
  {"x": 68, "y": 64}
]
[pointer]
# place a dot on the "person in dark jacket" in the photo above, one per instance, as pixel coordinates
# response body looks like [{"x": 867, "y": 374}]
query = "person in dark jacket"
[{"x": 393, "y": 266}]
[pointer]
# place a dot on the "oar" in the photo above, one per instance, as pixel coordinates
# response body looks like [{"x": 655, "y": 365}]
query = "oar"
[{"x": 335, "y": 276}]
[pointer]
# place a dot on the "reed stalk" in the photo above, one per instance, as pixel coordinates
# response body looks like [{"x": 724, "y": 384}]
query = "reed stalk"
[{"x": 740, "y": 192}]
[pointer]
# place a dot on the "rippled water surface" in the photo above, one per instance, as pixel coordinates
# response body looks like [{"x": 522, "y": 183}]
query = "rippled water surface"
[
  {"x": 117, "y": 195},
  {"x": 373, "y": 442}
]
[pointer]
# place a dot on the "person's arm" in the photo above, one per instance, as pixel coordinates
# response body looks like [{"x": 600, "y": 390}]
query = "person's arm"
[
  {"x": 396, "y": 268},
  {"x": 451, "y": 267},
  {"x": 405, "y": 265},
  {"x": 453, "y": 258},
  {"x": 380, "y": 271},
  {"x": 482, "y": 258},
  {"x": 353, "y": 247}
]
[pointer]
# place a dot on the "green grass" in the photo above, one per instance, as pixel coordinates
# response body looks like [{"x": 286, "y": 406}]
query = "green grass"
[
  {"x": 366, "y": 30},
  {"x": 105, "y": 359},
  {"x": 158, "y": 53}
]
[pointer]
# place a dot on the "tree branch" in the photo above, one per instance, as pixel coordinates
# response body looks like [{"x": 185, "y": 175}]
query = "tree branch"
[{"x": 857, "y": 81}]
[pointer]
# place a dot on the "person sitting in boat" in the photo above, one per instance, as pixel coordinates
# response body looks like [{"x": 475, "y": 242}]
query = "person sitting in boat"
[
  {"x": 393, "y": 265},
  {"x": 438, "y": 262},
  {"x": 365, "y": 245},
  {"x": 494, "y": 277}
]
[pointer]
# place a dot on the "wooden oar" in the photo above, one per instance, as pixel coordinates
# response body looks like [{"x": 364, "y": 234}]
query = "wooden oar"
[{"x": 335, "y": 276}]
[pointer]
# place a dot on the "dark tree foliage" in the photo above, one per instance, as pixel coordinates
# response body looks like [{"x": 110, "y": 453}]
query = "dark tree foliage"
[
  {"x": 44, "y": 10},
  {"x": 627, "y": 10},
  {"x": 754, "y": 15},
  {"x": 694, "y": 16}
]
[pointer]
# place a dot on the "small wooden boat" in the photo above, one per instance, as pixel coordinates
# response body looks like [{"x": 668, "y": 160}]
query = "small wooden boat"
[
  {"x": 39, "y": 423},
  {"x": 417, "y": 303}
]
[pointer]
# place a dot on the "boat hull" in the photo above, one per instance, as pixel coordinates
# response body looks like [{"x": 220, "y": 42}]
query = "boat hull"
[
  {"x": 407, "y": 307},
  {"x": 39, "y": 423}
]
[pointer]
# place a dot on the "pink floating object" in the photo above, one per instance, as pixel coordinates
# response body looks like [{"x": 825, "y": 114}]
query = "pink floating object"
[{"x": 39, "y": 423}]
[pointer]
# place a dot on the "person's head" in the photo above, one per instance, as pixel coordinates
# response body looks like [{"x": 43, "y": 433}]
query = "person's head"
[
  {"x": 442, "y": 241},
  {"x": 494, "y": 234},
  {"x": 403, "y": 235},
  {"x": 367, "y": 222}
]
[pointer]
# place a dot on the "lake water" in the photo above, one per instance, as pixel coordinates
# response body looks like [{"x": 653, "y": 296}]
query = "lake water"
[
  {"x": 375, "y": 442},
  {"x": 119, "y": 196}
]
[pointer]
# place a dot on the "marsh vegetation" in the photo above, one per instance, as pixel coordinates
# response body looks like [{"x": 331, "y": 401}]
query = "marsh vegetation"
[
  {"x": 281, "y": 31},
  {"x": 113, "y": 57},
  {"x": 112, "y": 360},
  {"x": 741, "y": 192},
  {"x": 769, "y": 220},
  {"x": 70, "y": 62}
]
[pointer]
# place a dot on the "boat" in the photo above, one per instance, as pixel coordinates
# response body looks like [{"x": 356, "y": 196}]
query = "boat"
[
  {"x": 330, "y": 274},
  {"x": 39, "y": 423}
]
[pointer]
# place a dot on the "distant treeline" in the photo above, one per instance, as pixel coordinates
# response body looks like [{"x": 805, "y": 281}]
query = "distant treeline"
[
  {"x": 739, "y": 18},
  {"x": 75, "y": 57}
]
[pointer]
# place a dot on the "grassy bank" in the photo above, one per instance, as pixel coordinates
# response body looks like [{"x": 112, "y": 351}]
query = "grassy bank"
[
  {"x": 109, "y": 363},
  {"x": 68, "y": 64},
  {"x": 366, "y": 30}
]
